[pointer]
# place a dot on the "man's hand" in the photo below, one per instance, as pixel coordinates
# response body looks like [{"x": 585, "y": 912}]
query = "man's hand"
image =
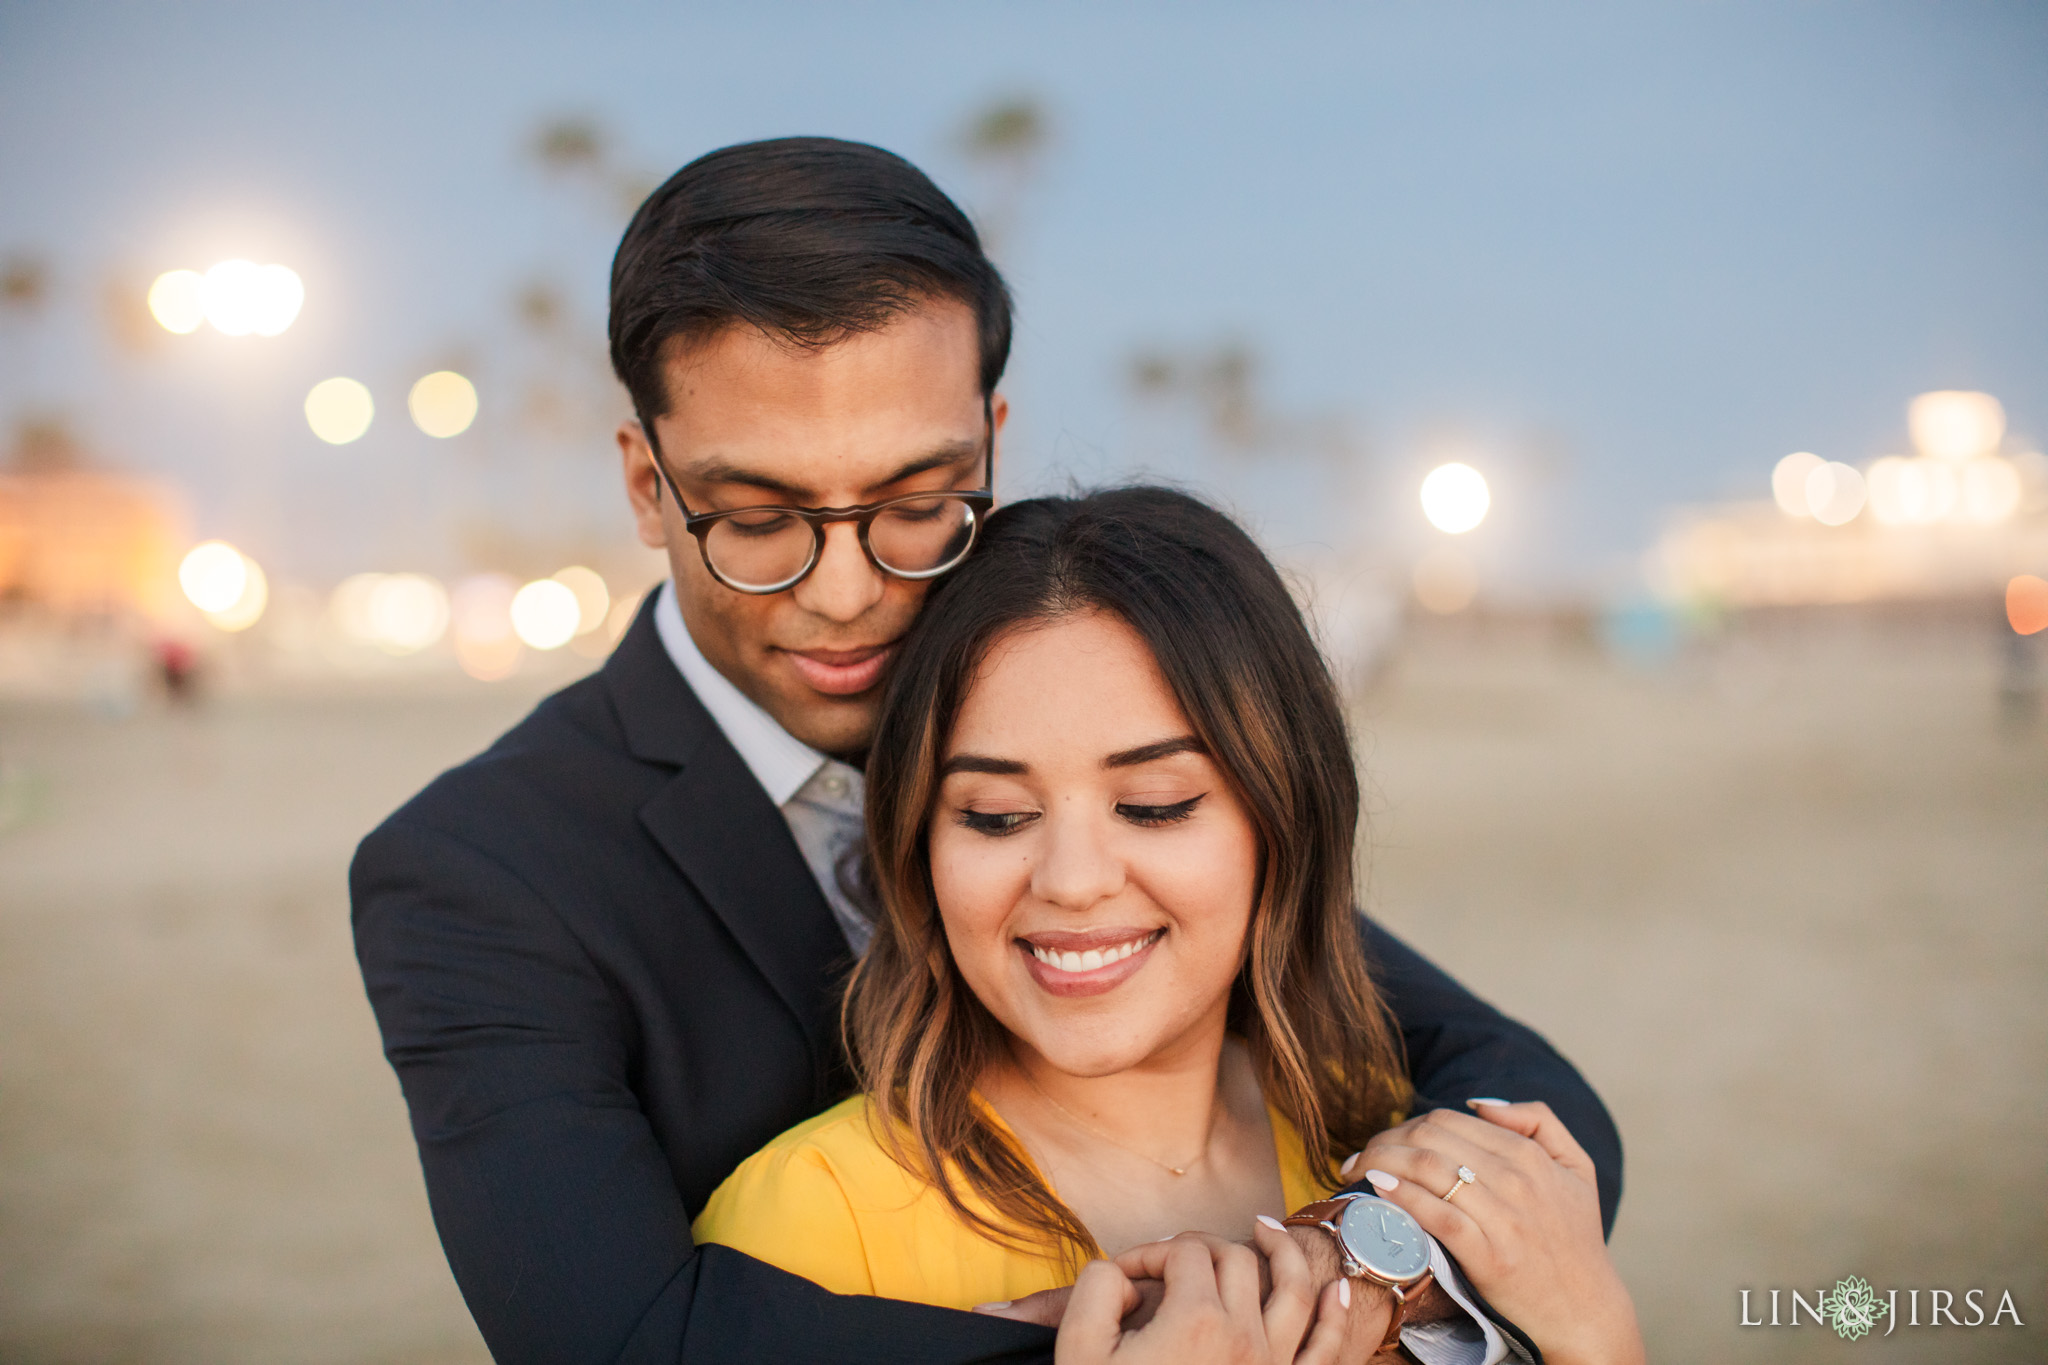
[
  {"x": 1212, "y": 1311},
  {"x": 1300, "y": 1263}
]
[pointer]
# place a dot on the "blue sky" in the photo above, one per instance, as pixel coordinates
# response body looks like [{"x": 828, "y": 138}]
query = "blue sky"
[{"x": 1619, "y": 256}]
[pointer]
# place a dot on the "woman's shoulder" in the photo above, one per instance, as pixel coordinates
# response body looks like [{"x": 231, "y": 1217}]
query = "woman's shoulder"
[
  {"x": 844, "y": 1140},
  {"x": 792, "y": 1203},
  {"x": 827, "y": 1200},
  {"x": 842, "y": 1124},
  {"x": 842, "y": 1144}
]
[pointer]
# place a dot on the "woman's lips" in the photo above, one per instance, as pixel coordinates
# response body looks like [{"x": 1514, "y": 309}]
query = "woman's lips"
[
  {"x": 841, "y": 672},
  {"x": 1087, "y": 964}
]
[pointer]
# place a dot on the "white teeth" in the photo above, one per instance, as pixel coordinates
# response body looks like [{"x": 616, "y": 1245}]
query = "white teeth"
[{"x": 1094, "y": 957}]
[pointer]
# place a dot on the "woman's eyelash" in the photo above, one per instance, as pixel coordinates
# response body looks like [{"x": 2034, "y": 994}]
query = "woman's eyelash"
[
  {"x": 1159, "y": 815},
  {"x": 997, "y": 823}
]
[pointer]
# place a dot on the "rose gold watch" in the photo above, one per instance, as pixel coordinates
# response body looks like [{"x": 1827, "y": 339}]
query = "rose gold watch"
[{"x": 1376, "y": 1241}]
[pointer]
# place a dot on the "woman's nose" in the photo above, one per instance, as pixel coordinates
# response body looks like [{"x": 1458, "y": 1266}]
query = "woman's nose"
[
  {"x": 844, "y": 583},
  {"x": 1077, "y": 867}
]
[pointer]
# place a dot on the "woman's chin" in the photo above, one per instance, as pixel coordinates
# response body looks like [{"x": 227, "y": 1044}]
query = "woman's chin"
[{"x": 1087, "y": 1058}]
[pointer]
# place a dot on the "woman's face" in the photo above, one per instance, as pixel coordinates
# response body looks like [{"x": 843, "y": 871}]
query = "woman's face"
[{"x": 1095, "y": 871}]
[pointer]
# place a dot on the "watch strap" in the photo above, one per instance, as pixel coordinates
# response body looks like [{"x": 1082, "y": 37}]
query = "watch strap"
[{"x": 1324, "y": 1214}]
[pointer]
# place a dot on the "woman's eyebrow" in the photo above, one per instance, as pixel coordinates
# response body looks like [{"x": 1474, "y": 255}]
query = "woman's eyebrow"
[
  {"x": 982, "y": 763},
  {"x": 1146, "y": 753}
]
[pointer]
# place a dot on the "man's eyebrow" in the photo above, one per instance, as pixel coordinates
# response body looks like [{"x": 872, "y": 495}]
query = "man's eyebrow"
[
  {"x": 982, "y": 763},
  {"x": 717, "y": 471},
  {"x": 1147, "y": 753}
]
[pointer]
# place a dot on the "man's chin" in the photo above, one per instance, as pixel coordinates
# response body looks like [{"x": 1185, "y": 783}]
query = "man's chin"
[{"x": 832, "y": 725}]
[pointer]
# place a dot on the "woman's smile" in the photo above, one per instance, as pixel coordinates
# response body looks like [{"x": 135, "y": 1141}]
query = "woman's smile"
[{"x": 1091, "y": 962}]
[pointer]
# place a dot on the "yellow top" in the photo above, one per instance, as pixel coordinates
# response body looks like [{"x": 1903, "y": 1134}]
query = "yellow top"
[{"x": 826, "y": 1202}]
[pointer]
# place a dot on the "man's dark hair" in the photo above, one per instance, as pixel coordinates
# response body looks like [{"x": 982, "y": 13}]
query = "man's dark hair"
[{"x": 807, "y": 238}]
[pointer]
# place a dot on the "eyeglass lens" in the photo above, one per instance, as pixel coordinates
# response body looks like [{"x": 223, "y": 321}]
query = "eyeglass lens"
[{"x": 915, "y": 538}]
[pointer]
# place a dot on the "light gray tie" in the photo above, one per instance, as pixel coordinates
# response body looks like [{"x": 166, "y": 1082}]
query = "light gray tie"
[{"x": 826, "y": 816}]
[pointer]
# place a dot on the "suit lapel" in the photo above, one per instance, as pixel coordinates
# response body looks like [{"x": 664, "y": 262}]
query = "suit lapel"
[
  {"x": 720, "y": 829},
  {"x": 718, "y": 826}
]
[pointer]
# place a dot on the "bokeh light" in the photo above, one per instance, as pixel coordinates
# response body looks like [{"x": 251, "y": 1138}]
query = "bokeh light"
[
  {"x": 1446, "y": 580},
  {"x": 620, "y": 617},
  {"x": 242, "y": 297},
  {"x": 593, "y": 599},
  {"x": 442, "y": 404},
  {"x": 1990, "y": 489},
  {"x": 349, "y": 607},
  {"x": 1954, "y": 424},
  {"x": 339, "y": 410},
  {"x": 1788, "y": 482},
  {"x": 2026, "y": 604},
  {"x": 227, "y": 586},
  {"x": 1835, "y": 493},
  {"x": 545, "y": 614},
  {"x": 481, "y": 614},
  {"x": 1455, "y": 498},
  {"x": 177, "y": 300},
  {"x": 248, "y": 608},
  {"x": 399, "y": 613},
  {"x": 214, "y": 575},
  {"x": 405, "y": 612},
  {"x": 1911, "y": 492}
]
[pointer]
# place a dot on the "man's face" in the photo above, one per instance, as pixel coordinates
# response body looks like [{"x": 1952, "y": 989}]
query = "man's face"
[{"x": 754, "y": 420}]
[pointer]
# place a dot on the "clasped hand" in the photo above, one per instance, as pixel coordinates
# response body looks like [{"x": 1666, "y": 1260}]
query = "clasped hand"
[{"x": 1197, "y": 1299}]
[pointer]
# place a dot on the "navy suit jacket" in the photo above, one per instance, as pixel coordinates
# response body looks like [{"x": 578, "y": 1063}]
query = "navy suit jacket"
[{"x": 605, "y": 976}]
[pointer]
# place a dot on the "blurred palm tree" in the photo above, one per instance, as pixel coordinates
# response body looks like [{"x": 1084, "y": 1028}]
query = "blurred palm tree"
[
  {"x": 24, "y": 283},
  {"x": 1005, "y": 141}
]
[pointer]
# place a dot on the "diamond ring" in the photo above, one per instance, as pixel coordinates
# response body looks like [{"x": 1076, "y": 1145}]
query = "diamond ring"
[{"x": 1465, "y": 1177}]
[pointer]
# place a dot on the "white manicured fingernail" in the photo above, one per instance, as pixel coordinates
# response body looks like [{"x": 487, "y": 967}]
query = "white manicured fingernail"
[
  {"x": 1349, "y": 1162},
  {"x": 1381, "y": 1180},
  {"x": 996, "y": 1307},
  {"x": 1501, "y": 1103},
  {"x": 1273, "y": 1223},
  {"x": 1344, "y": 1292}
]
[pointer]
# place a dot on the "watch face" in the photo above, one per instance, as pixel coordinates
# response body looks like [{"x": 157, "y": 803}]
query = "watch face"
[{"x": 1391, "y": 1245}]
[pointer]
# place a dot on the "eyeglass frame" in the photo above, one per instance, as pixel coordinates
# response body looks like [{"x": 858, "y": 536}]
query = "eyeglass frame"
[{"x": 979, "y": 501}]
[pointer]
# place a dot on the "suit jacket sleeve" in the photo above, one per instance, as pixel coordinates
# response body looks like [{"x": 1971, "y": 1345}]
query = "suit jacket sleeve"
[
  {"x": 1460, "y": 1047},
  {"x": 555, "y": 1204}
]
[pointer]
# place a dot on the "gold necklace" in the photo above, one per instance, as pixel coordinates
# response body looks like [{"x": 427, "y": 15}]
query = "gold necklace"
[{"x": 1083, "y": 1123}]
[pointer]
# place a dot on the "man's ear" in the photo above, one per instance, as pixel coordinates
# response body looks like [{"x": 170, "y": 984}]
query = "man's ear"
[
  {"x": 998, "y": 414},
  {"x": 643, "y": 484}
]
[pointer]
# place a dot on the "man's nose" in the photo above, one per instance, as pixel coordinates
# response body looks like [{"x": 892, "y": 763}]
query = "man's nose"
[
  {"x": 844, "y": 583},
  {"x": 1077, "y": 866}
]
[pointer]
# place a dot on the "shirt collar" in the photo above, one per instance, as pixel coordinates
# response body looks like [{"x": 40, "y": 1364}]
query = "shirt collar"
[{"x": 780, "y": 761}]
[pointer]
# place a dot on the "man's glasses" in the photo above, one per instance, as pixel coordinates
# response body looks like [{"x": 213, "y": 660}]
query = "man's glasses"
[{"x": 772, "y": 549}]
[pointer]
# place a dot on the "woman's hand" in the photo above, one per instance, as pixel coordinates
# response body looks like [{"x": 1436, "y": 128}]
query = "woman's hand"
[
  {"x": 1212, "y": 1312},
  {"x": 1526, "y": 1231}
]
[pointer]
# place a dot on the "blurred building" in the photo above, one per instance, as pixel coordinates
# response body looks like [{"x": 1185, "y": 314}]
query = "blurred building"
[
  {"x": 1751, "y": 554},
  {"x": 77, "y": 541},
  {"x": 1960, "y": 518}
]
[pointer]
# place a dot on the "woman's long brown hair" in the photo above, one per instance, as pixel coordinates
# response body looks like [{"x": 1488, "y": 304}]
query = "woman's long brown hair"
[{"x": 1240, "y": 660}]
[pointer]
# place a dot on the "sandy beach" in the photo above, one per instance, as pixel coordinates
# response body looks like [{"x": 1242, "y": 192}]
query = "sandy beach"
[{"x": 1785, "y": 903}]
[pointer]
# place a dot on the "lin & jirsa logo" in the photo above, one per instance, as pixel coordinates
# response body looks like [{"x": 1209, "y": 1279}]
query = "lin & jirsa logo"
[{"x": 1854, "y": 1309}]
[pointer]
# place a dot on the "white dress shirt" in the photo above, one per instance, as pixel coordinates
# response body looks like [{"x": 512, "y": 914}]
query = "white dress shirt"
[{"x": 822, "y": 799}]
